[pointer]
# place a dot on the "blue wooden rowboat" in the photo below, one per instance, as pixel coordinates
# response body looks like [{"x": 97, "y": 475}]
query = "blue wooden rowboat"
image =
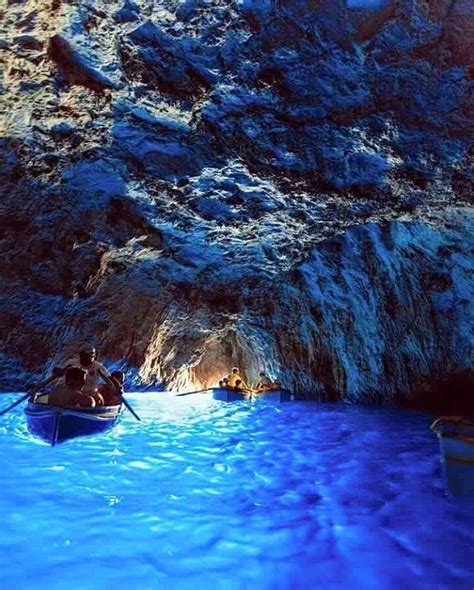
[
  {"x": 276, "y": 395},
  {"x": 456, "y": 440},
  {"x": 233, "y": 395},
  {"x": 56, "y": 425}
]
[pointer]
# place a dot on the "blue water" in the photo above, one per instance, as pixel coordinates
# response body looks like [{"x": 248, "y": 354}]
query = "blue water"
[
  {"x": 204, "y": 494},
  {"x": 366, "y": 3}
]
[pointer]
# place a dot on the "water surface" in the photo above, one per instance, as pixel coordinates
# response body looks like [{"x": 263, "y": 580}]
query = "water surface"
[{"x": 204, "y": 494}]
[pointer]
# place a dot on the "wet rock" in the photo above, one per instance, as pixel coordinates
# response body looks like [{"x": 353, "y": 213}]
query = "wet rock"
[
  {"x": 9, "y": 160},
  {"x": 349, "y": 165},
  {"x": 176, "y": 66},
  {"x": 62, "y": 129},
  {"x": 231, "y": 195},
  {"x": 370, "y": 19},
  {"x": 410, "y": 291},
  {"x": 128, "y": 13},
  {"x": 28, "y": 42},
  {"x": 166, "y": 157},
  {"x": 458, "y": 31},
  {"x": 30, "y": 86},
  {"x": 125, "y": 221},
  {"x": 74, "y": 67}
]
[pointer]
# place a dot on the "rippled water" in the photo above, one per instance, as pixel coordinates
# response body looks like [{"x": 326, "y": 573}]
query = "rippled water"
[{"x": 203, "y": 494}]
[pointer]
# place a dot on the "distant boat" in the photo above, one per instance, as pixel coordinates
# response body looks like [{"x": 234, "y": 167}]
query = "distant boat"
[
  {"x": 227, "y": 394},
  {"x": 56, "y": 425},
  {"x": 456, "y": 439}
]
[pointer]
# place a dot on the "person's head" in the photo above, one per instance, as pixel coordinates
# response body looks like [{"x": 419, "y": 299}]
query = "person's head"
[
  {"x": 235, "y": 371},
  {"x": 238, "y": 382},
  {"x": 221, "y": 383},
  {"x": 225, "y": 380},
  {"x": 119, "y": 376},
  {"x": 87, "y": 355},
  {"x": 277, "y": 383},
  {"x": 75, "y": 377}
]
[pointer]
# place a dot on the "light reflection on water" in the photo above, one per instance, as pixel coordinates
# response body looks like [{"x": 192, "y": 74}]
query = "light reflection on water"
[{"x": 203, "y": 494}]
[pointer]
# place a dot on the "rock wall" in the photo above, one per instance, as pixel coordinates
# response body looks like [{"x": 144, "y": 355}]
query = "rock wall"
[{"x": 286, "y": 184}]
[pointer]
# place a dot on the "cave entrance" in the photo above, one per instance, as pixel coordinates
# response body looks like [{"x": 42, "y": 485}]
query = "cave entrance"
[{"x": 221, "y": 353}]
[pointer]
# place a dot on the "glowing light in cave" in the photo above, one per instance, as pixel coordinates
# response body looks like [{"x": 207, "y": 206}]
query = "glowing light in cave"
[
  {"x": 204, "y": 365},
  {"x": 186, "y": 380}
]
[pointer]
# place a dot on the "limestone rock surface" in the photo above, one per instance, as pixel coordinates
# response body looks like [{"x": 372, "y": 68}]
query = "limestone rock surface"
[{"x": 280, "y": 184}]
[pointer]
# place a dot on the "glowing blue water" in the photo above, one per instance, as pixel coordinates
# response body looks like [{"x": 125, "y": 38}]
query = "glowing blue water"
[{"x": 203, "y": 494}]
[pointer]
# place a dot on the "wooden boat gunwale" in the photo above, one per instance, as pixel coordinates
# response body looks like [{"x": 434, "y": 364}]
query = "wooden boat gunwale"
[
  {"x": 455, "y": 428},
  {"x": 46, "y": 421},
  {"x": 456, "y": 441},
  {"x": 243, "y": 395},
  {"x": 96, "y": 413}
]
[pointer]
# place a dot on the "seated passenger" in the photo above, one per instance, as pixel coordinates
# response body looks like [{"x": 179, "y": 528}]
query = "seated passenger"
[
  {"x": 70, "y": 394},
  {"x": 221, "y": 384},
  {"x": 109, "y": 394},
  {"x": 243, "y": 389},
  {"x": 276, "y": 385},
  {"x": 86, "y": 359},
  {"x": 234, "y": 377},
  {"x": 264, "y": 384}
]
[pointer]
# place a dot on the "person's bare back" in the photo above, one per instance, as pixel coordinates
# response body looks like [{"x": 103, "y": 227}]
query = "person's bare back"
[{"x": 70, "y": 394}]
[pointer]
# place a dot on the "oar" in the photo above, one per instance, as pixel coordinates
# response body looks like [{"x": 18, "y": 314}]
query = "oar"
[
  {"x": 122, "y": 399},
  {"x": 25, "y": 397},
  {"x": 129, "y": 408},
  {"x": 193, "y": 392}
]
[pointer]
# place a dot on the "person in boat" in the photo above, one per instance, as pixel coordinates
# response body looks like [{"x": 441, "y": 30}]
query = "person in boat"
[
  {"x": 71, "y": 393},
  {"x": 242, "y": 388},
  {"x": 276, "y": 385},
  {"x": 264, "y": 383},
  {"x": 86, "y": 359},
  {"x": 234, "y": 377},
  {"x": 109, "y": 394},
  {"x": 240, "y": 385}
]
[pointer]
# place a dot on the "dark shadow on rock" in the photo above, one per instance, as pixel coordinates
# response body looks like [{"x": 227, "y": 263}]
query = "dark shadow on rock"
[
  {"x": 75, "y": 67},
  {"x": 450, "y": 394}
]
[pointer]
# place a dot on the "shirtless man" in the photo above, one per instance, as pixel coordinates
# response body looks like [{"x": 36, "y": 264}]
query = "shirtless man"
[
  {"x": 71, "y": 393},
  {"x": 87, "y": 360},
  {"x": 110, "y": 393},
  {"x": 264, "y": 384}
]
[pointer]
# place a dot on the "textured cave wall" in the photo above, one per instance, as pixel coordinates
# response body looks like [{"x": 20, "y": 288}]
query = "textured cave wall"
[
  {"x": 193, "y": 185},
  {"x": 384, "y": 312}
]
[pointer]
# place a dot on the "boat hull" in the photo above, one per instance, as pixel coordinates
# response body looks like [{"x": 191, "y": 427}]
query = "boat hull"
[
  {"x": 229, "y": 395},
  {"x": 55, "y": 425},
  {"x": 232, "y": 395},
  {"x": 278, "y": 396},
  {"x": 456, "y": 440}
]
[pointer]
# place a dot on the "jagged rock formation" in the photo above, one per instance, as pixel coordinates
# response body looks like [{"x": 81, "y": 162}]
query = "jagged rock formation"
[{"x": 280, "y": 184}]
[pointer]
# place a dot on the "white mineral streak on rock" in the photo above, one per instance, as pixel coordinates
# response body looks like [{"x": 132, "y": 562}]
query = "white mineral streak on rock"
[{"x": 279, "y": 185}]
